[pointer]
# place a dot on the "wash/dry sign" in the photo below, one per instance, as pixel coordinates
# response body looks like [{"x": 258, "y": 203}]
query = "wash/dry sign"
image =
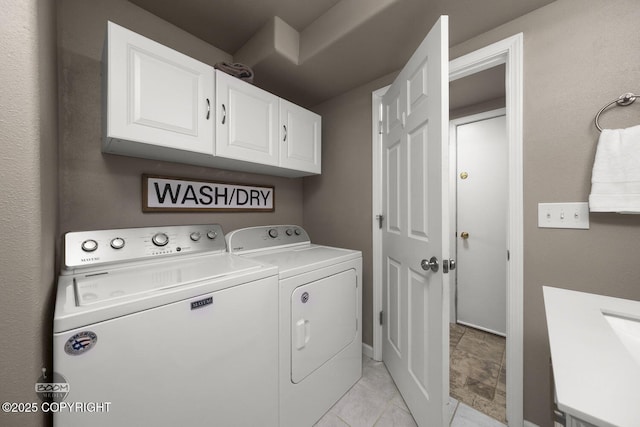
[{"x": 167, "y": 194}]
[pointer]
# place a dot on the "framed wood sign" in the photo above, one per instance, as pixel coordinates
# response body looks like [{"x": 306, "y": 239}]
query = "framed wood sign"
[{"x": 171, "y": 194}]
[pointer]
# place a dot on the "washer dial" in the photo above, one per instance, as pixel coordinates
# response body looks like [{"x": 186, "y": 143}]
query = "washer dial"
[
  {"x": 89, "y": 245},
  {"x": 160, "y": 239},
  {"x": 117, "y": 243}
]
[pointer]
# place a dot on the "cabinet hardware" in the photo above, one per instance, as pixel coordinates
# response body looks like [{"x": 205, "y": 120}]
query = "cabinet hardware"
[
  {"x": 208, "y": 108},
  {"x": 285, "y": 133},
  {"x": 224, "y": 113}
]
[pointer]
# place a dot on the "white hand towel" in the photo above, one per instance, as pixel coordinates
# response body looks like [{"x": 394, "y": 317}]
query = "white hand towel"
[{"x": 615, "y": 181}]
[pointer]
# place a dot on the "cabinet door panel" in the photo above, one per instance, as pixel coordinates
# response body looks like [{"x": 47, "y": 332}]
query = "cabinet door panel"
[
  {"x": 156, "y": 95},
  {"x": 300, "y": 131},
  {"x": 246, "y": 127}
]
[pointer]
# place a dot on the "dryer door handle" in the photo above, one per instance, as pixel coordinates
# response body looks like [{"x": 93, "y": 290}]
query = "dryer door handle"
[{"x": 303, "y": 333}]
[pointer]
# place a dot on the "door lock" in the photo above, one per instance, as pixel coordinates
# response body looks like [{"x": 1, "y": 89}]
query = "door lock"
[
  {"x": 431, "y": 264},
  {"x": 464, "y": 235},
  {"x": 448, "y": 264}
]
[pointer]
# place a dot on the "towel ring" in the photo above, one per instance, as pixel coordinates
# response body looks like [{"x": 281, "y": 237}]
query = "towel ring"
[{"x": 623, "y": 100}]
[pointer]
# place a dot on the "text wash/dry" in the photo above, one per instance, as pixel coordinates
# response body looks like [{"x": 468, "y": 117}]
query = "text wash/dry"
[{"x": 212, "y": 196}]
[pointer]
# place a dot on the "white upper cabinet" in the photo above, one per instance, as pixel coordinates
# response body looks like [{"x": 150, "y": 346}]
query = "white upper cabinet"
[
  {"x": 156, "y": 96},
  {"x": 161, "y": 104},
  {"x": 300, "y": 131},
  {"x": 247, "y": 121}
]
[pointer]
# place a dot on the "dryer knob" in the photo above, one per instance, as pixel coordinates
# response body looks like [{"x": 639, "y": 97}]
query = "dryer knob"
[
  {"x": 211, "y": 234},
  {"x": 289, "y": 232},
  {"x": 298, "y": 232},
  {"x": 273, "y": 233},
  {"x": 195, "y": 236},
  {"x": 160, "y": 239}
]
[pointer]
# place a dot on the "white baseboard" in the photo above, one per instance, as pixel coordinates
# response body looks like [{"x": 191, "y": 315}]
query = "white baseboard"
[{"x": 367, "y": 350}]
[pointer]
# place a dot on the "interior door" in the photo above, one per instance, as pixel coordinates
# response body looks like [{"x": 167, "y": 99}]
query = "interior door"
[
  {"x": 481, "y": 249},
  {"x": 415, "y": 206}
]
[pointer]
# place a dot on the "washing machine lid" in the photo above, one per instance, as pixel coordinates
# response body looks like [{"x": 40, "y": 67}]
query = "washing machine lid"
[
  {"x": 304, "y": 258},
  {"x": 126, "y": 283},
  {"x": 95, "y": 297}
]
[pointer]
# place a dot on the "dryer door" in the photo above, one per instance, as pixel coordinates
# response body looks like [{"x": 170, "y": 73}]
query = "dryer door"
[{"x": 323, "y": 321}]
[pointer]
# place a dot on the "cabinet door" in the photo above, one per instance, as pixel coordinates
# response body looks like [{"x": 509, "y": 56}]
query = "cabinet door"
[
  {"x": 300, "y": 141},
  {"x": 247, "y": 121},
  {"x": 156, "y": 95}
]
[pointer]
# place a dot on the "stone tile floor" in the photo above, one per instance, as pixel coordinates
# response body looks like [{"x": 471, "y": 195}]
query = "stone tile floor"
[
  {"x": 477, "y": 371},
  {"x": 375, "y": 401}
]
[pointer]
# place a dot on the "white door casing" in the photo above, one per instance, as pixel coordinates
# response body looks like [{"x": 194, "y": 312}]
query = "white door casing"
[
  {"x": 481, "y": 220},
  {"x": 509, "y": 52},
  {"x": 415, "y": 199}
]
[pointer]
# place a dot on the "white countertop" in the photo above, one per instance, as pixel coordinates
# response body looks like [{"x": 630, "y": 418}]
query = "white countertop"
[{"x": 596, "y": 377}]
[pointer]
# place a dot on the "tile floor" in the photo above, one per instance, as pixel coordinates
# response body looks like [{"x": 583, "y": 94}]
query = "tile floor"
[
  {"x": 375, "y": 401},
  {"x": 477, "y": 370}
]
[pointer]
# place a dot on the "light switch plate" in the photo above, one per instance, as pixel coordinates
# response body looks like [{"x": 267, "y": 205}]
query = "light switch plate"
[{"x": 563, "y": 215}]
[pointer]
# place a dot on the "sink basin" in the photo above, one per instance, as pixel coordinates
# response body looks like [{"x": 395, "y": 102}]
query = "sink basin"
[{"x": 627, "y": 328}]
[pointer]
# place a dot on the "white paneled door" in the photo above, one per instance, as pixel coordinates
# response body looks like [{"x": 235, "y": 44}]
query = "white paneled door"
[{"x": 415, "y": 127}]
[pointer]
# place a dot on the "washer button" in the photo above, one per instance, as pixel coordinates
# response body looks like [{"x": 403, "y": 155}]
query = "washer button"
[
  {"x": 273, "y": 233},
  {"x": 212, "y": 234},
  {"x": 195, "y": 236}
]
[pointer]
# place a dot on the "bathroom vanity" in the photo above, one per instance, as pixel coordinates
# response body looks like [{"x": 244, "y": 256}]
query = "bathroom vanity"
[{"x": 595, "y": 353}]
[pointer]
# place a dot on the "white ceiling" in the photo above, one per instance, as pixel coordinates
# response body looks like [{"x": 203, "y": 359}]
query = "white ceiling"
[{"x": 342, "y": 43}]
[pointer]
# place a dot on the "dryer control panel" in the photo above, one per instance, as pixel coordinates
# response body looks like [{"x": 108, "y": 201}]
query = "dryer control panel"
[
  {"x": 266, "y": 237},
  {"x": 95, "y": 248}
]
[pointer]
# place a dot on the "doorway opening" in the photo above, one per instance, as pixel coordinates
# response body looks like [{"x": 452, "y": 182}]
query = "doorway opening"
[
  {"x": 507, "y": 53},
  {"x": 478, "y": 189}
]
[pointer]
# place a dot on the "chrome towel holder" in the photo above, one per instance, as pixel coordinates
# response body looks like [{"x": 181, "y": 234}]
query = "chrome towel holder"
[{"x": 623, "y": 100}]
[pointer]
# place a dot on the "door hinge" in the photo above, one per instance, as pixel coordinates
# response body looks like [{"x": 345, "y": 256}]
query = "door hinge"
[
  {"x": 380, "y": 219},
  {"x": 381, "y": 317},
  {"x": 380, "y": 127}
]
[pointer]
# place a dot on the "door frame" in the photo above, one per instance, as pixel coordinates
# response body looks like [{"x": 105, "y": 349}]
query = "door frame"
[{"x": 509, "y": 52}]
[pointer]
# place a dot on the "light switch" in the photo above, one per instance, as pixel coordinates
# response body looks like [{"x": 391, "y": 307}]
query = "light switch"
[{"x": 563, "y": 215}]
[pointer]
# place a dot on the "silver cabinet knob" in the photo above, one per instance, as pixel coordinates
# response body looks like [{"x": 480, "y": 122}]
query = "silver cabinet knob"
[{"x": 431, "y": 264}]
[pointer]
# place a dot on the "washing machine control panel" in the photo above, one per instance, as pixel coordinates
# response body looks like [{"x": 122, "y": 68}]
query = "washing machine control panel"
[
  {"x": 94, "y": 248},
  {"x": 270, "y": 236}
]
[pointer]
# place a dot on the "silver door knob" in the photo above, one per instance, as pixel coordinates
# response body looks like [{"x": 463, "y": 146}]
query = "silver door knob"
[{"x": 431, "y": 264}]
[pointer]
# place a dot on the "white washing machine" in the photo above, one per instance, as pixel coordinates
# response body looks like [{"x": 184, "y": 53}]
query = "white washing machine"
[
  {"x": 168, "y": 328},
  {"x": 320, "y": 317}
]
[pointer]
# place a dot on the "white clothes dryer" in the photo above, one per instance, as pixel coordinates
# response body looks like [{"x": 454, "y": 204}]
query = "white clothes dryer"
[
  {"x": 320, "y": 335},
  {"x": 162, "y": 326}
]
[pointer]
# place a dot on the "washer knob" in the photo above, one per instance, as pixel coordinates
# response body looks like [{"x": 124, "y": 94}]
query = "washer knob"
[
  {"x": 273, "y": 233},
  {"x": 195, "y": 236},
  {"x": 160, "y": 239},
  {"x": 298, "y": 232},
  {"x": 89, "y": 245},
  {"x": 117, "y": 243},
  {"x": 212, "y": 234},
  {"x": 289, "y": 232}
]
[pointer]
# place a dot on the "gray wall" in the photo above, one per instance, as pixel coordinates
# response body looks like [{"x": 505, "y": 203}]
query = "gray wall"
[
  {"x": 28, "y": 172},
  {"x": 337, "y": 204},
  {"x": 576, "y": 59},
  {"x": 103, "y": 191}
]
